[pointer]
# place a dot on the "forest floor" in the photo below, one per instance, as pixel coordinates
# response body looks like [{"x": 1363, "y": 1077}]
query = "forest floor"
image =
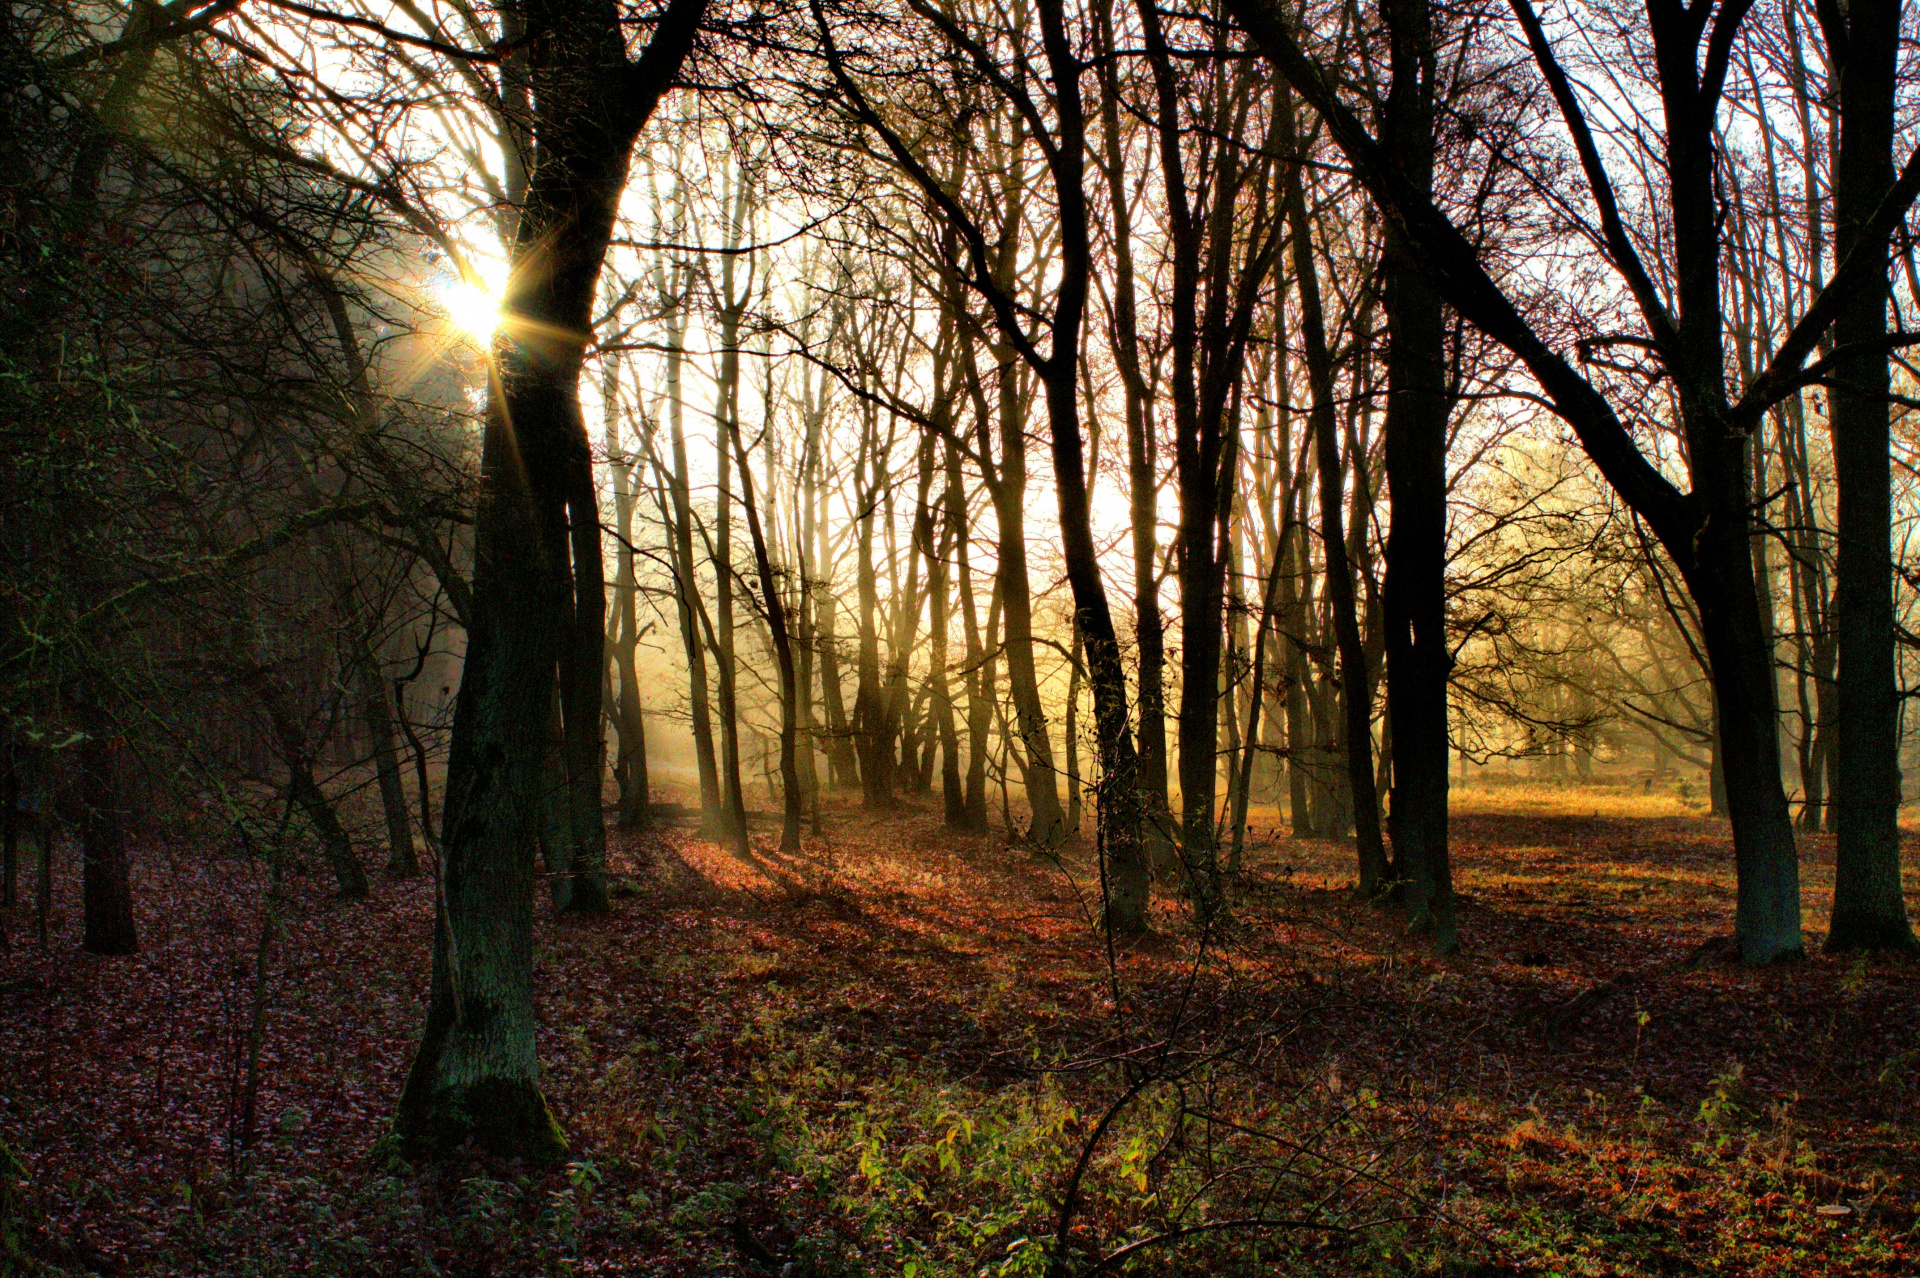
[{"x": 887, "y": 1057}]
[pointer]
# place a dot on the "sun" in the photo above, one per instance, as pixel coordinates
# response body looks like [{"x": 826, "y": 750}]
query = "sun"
[{"x": 472, "y": 308}]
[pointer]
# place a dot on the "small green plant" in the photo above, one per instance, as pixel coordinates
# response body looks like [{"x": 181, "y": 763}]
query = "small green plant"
[
  {"x": 566, "y": 1208},
  {"x": 484, "y": 1219},
  {"x": 1720, "y": 1110},
  {"x": 13, "y": 1178}
]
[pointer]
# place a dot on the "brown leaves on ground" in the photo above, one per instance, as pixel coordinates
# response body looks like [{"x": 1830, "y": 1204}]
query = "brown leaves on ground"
[{"x": 762, "y": 1064}]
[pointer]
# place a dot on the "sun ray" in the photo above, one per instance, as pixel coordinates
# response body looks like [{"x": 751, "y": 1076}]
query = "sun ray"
[{"x": 471, "y": 307}]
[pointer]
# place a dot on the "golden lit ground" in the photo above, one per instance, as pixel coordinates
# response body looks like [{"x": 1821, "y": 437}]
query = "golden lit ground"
[{"x": 887, "y": 1055}]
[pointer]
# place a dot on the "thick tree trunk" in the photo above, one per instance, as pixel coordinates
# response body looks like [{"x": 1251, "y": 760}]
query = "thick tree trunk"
[
  {"x": 1767, "y": 912},
  {"x": 1419, "y": 657},
  {"x": 1715, "y": 554},
  {"x": 476, "y": 1073},
  {"x": 105, "y": 891},
  {"x": 1869, "y": 903},
  {"x": 557, "y": 827},
  {"x": 583, "y": 658}
]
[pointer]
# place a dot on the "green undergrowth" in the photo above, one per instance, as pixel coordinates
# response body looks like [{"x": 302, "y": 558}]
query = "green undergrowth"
[
  {"x": 950, "y": 1179},
  {"x": 927, "y": 1175}
]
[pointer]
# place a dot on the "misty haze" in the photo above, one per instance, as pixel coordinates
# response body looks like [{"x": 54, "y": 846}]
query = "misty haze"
[{"x": 933, "y": 639}]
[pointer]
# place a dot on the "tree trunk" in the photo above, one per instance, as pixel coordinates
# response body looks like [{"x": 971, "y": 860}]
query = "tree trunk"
[
  {"x": 792, "y": 801},
  {"x": 902, "y": 711},
  {"x": 841, "y": 759},
  {"x": 1125, "y": 879},
  {"x": 401, "y": 859},
  {"x": 871, "y": 741},
  {"x": 630, "y": 725},
  {"x": 733, "y": 798},
  {"x": 1250, "y": 751},
  {"x": 1219, "y": 241},
  {"x": 1419, "y": 657},
  {"x": 475, "y": 1074},
  {"x": 953, "y": 795},
  {"x": 296, "y": 754},
  {"x": 1143, "y": 486},
  {"x": 105, "y": 891},
  {"x": 1295, "y": 586},
  {"x": 1038, "y": 772},
  {"x": 557, "y": 827},
  {"x": 1075, "y": 815},
  {"x": 981, "y": 676},
  {"x": 583, "y": 663},
  {"x": 806, "y": 512},
  {"x": 1339, "y": 575},
  {"x": 686, "y": 580},
  {"x": 1869, "y": 903}
]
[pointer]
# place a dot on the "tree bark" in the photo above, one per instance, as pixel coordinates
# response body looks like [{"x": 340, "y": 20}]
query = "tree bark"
[
  {"x": 686, "y": 580},
  {"x": 401, "y": 858},
  {"x": 475, "y": 1075},
  {"x": 871, "y": 742},
  {"x": 630, "y": 725},
  {"x": 105, "y": 891},
  {"x": 1219, "y": 240},
  {"x": 1143, "y": 485},
  {"x": 953, "y": 795},
  {"x": 793, "y": 810},
  {"x": 305, "y": 792},
  {"x": 980, "y": 667},
  {"x": 1339, "y": 574},
  {"x": 1419, "y": 657},
  {"x": 732, "y": 826},
  {"x": 1869, "y": 902},
  {"x": 1039, "y": 774},
  {"x": 1126, "y": 878}
]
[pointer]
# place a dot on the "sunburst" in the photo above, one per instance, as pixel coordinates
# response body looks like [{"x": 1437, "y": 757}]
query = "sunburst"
[{"x": 471, "y": 307}]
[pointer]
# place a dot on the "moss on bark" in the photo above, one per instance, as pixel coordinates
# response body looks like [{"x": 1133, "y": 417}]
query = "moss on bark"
[{"x": 504, "y": 1116}]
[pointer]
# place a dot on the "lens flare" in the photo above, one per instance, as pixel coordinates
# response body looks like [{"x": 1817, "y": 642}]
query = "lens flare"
[{"x": 471, "y": 308}]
